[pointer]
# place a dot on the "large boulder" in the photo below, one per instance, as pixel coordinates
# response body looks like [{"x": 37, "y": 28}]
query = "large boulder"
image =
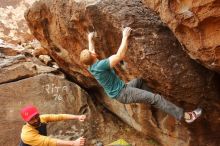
[
  {"x": 196, "y": 24},
  {"x": 154, "y": 54}
]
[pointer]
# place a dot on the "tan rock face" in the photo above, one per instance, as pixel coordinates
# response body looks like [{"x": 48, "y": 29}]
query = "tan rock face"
[
  {"x": 154, "y": 54},
  {"x": 196, "y": 24},
  {"x": 50, "y": 94}
]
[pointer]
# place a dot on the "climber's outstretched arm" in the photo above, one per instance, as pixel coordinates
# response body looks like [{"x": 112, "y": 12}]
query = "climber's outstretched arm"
[
  {"x": 91, "y": 42},
  {"x": 116, "y": 58}
]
